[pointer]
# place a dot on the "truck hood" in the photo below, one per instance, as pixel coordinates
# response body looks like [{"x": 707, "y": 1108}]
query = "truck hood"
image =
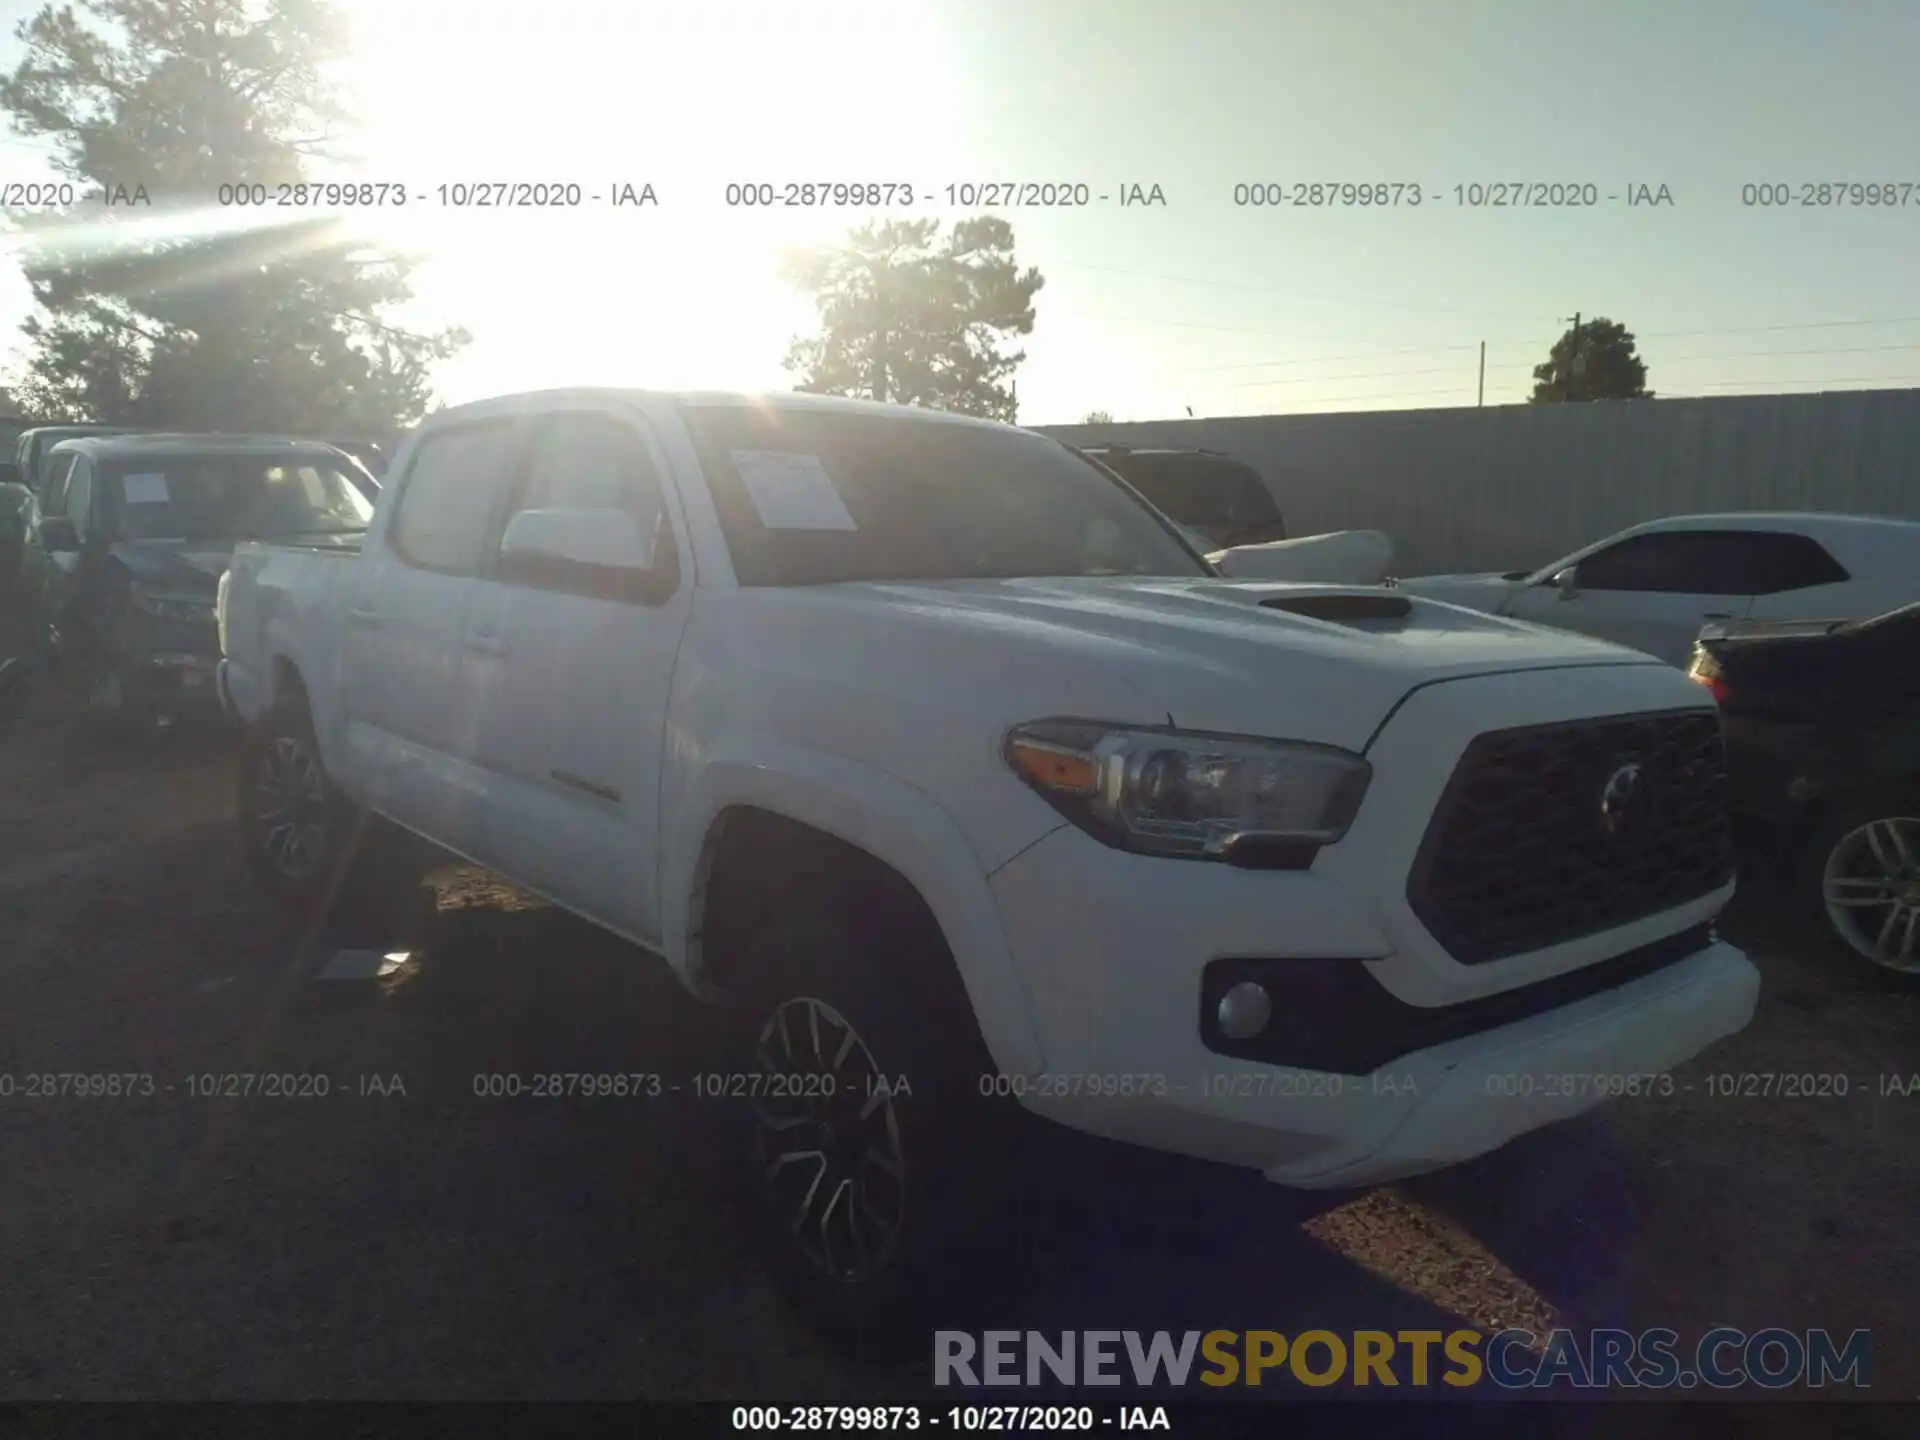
[
  {"x": 178, "y": 567},
  {"x": 194, "y": 567},
  {"x": 1207, "y": 654},
  {"x": 1488, "y": 592}
]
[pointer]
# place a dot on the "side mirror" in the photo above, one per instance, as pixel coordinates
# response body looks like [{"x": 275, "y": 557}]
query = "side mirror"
[
  {"x": 1567, "y": 582},
  {"x": 10, "y": 473},
  {"x": 605, "y": 554},
  {"x": 58, "y": 536}
]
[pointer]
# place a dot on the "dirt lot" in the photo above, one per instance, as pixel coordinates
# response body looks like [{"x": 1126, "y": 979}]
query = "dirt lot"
[{"x": 427, "y": 1243}]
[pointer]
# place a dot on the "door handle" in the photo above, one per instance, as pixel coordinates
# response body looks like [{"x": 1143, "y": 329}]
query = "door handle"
[
  {"x": 485, "y": 642},
  {"x": 1718, "y": 615},
  {"x": 360, "y": 615}
]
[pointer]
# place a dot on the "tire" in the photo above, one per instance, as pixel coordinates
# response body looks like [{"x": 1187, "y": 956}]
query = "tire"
[
  {"x": 883, "y": 1225},
  {"x": 300, "y": 859},
  {"x": 1867, "y": 848}
]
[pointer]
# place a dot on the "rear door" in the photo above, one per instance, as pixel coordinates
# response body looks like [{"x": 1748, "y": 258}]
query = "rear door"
[
  {"x": 400, "y": 640},
  {"x": 62, "y": 575},
  {"x": 36, "y": 564},
  {"x": 1652, "y": 591},
  {"x": 564, "y": 690},
  {"x": 1798, "y": 578}
]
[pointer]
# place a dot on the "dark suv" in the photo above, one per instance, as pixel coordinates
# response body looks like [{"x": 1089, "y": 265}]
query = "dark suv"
[
  {"x": 1210, "y": 495},
  {"x": 1822, "y": 725},
  {"x": 123, "y": 563}
]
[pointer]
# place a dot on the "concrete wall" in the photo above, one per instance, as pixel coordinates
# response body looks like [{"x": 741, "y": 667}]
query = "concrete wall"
[{"x": 1515, "y": 486}]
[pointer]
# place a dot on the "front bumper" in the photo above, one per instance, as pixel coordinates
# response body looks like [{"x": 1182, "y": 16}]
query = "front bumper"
[
  {"x": 171, "y": 681},
  {"x": 1465, "y": 1099},
  {"x": 1118, "y": 1008},
  {"x": 1115, "y": 952}
]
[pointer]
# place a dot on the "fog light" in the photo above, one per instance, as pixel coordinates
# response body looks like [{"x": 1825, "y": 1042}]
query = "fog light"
[{"x": 1244, "y": 1011}]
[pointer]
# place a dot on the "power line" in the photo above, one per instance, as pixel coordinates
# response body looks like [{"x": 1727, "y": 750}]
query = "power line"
[
  {"x": 1464, "y": 388},
  {"x": 1837, "y": 380},
  {"x": 1361, "y": 375},
  {"x": 1529, "y": 365},
  {"x": 1371, "y": 355},
  {"x": 1769, "y": 354},
  {"x": 1765, "y": 329},
  {"x": 1290, "y": 292}
]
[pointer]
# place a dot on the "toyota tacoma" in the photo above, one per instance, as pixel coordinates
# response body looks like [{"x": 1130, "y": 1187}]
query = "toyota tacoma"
[{"x": 973, "y": 799}]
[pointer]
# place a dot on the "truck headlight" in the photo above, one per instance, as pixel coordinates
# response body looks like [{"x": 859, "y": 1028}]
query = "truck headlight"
[{"x": 1186, "y": 794}]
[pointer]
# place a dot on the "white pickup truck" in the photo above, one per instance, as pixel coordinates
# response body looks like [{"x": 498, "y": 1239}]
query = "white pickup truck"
[{"x": 968, "y": 791}]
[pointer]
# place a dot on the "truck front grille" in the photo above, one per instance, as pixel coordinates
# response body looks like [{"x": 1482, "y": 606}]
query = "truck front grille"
[{"x": 1549, "y": 833}]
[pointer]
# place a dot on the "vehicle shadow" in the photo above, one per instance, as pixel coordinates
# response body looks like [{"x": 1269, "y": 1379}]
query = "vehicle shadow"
[{"x": 1111, "y": 1237}]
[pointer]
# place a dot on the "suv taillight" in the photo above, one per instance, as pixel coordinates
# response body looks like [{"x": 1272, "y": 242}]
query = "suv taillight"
[{"x": 1716, "y": 687}]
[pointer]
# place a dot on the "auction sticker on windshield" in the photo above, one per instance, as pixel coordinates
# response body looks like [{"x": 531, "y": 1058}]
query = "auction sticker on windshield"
[
  {"x": 145, "y": 489},
  {"x": 792, "y": 491}
]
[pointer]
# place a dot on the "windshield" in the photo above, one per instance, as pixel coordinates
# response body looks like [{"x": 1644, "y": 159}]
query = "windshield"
[
  {"x": 816, "y": 498},
  {"x": 228, "y": 497}
]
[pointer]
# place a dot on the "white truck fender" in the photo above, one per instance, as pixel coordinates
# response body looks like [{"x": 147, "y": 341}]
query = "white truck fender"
[
  {"x": 282, "y": 648},
  {"x": 889, "y": 819}
]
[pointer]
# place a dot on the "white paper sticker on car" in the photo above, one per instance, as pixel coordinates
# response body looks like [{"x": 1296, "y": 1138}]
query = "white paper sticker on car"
[
  {"x": 144, "y": 489},
  {"x": 792, "y": 491}
]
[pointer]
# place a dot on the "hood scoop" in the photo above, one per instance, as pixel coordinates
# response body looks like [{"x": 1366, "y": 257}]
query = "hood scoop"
[{"x": 1343, "y": 608}]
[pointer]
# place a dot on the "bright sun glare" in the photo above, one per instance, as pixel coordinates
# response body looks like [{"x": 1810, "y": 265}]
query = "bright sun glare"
[{"x": 681, "y": 97}]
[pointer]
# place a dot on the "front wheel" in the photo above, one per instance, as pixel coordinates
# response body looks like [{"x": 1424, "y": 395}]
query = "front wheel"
[
  {"x": 297, "y": 830},
  {"x": 878, "y": 1173},
  {"x": 1866, "y": 864}
]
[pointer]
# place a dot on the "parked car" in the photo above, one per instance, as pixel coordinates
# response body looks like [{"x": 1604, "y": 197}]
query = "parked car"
[
  {"x": 1654, "y": 586},
  {"x": 1220, "y": 500},
  {"x": 366, "y": 452},
  {"x": 125, "y": 554},
  {"x": 1341, "y": 557},
  {"x": 1822, "y": 722},
  {"x": 933, "y": 758},
  {"x": 16, "y": 513},
  {"x": 31, "y": 449},
  {"x": 1225, "y": 508}
]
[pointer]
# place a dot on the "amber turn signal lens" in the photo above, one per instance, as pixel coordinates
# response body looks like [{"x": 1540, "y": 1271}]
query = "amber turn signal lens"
[{"x": 1053, "y": 767}]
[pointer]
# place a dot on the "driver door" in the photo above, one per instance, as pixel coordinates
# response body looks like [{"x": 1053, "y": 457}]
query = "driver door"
[
  {"x": 60, "y": 576},
  {"x": 1651, "y": 592},
  {"x": 563, "y": 691}
]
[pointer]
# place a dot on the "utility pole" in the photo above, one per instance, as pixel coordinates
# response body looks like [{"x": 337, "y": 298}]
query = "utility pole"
[
  {"x": 1483, "y": 374},
  {"x": 1574, "y": 357}
]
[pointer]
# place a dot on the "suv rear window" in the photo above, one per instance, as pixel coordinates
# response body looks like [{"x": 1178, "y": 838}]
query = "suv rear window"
[{"x": 1206, "y": 492}]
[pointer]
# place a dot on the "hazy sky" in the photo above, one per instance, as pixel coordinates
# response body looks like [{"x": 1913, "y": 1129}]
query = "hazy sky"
[{"x": 1201, "y": 303}]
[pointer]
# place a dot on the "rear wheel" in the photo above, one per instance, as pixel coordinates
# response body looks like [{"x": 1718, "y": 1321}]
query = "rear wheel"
[
  {"x": 1864, "y": 866},
  {"x": 298, "y": 831},
  {"x": 879, "y": 1175}
]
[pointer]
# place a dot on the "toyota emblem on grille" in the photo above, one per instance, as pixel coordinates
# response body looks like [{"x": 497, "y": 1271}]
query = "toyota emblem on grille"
[{"x": 1623, "y": 800}]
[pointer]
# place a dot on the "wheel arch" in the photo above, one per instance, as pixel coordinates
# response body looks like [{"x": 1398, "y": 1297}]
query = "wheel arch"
[{"x": 868, "y": 818}]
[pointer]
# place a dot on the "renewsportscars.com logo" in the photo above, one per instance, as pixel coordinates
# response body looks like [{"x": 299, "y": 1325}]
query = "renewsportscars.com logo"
[{"x": 1723, "y": 1358}]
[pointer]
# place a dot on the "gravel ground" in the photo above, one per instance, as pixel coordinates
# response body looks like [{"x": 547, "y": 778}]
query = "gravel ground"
[{"x": 402, "y": 1238}]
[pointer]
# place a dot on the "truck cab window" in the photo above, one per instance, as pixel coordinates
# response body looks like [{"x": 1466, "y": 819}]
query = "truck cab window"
[
  {"x": 593, "y": 462},
  {"x": 79, "y": 496},
  {"x": 452, "y": 494}
]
